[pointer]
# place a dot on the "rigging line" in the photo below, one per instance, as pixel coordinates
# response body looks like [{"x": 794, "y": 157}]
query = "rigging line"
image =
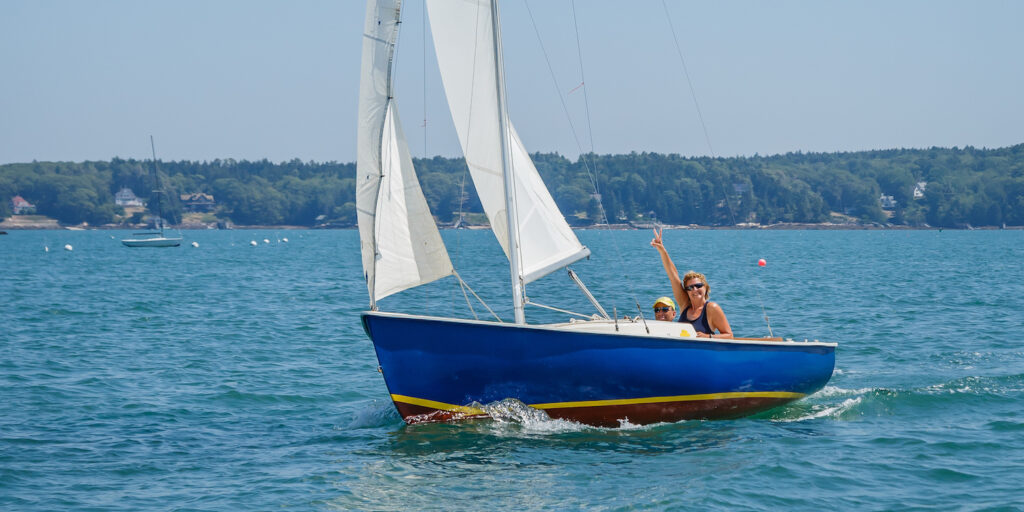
[
  {"x": 696, "y": 104},
  {"x": 391, "y": 101},
  {"x": 583, "y": 80},
  {"x": 469, "y": 304},
  {"x": 707, "y": 137},
  {"x": 423, "y": 33},
  {"x": 552, "y": 308},
  {"x": 764, "y": 313},
  {"x": 590, "y": 131},
  {"x": 470, "y": 288},
  {"x": 469, "y": 120},
  {"x": 565, "y": 108},
  {"x": 686, "y": 72},
  {"x": 591, "y": 173}
]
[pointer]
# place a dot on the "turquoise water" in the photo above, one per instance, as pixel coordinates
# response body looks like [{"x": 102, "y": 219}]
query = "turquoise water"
[{"x": 232, "y": 377}]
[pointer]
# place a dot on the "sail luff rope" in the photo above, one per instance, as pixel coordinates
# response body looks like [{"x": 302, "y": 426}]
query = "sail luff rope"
[{"x": 392, "y": 64}]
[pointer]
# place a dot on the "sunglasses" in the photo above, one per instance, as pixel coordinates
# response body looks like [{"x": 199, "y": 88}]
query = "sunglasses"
[
  {"x": 662, "y": 310},
  {"x": 694, "y": 286}
]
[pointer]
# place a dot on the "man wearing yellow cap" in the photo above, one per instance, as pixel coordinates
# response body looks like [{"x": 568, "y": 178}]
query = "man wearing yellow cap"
[{"x": 664, "y": 309}]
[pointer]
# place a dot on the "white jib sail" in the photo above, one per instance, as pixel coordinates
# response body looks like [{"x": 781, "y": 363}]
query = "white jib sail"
[
  {"x": 464, "y": 42},
  {"x": 400, "y": 244}
]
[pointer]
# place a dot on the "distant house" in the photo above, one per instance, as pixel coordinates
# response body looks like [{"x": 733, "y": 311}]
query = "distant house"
[
  {"x": 22, "y": 207},
  {"x": 197, "y": 202},
  {"x": 919, "y": 189},
  {"x": 125, "y": 197},
  {"x": 888, "y": 202}
]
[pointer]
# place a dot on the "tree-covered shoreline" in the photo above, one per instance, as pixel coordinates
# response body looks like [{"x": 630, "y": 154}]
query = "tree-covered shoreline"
[{"x": 963, "y": 187}]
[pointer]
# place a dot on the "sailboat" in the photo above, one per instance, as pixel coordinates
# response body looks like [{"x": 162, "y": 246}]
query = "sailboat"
[
  {"x": 603, "y": 371},
  {"x": 154, "y": 238}
]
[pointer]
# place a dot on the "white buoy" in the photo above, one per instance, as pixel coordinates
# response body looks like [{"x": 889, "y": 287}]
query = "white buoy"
[
  {"x": 67, "y": 247},
  {"x": 195, "y": 244},
  {"x": 285, "y": 240},
  {"x": 266, "y": 240},
  {"x": 252, "y": 243}
]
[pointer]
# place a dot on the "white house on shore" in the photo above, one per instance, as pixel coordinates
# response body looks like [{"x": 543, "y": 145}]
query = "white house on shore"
[
  {"x": 125, "y": 197},
  {"x": 19, "y": 206},
  {"x": 887, "y": 202}
]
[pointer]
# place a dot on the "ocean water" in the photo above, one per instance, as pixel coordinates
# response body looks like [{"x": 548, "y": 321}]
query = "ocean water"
[{"x": 233, "y": 377}]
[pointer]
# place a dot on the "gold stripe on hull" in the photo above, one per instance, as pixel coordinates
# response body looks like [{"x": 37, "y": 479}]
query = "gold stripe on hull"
[{"x": 600, "y": 403}]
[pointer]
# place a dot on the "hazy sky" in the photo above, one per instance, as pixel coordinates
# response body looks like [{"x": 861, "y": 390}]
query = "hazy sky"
[{"x": 250, "y": 79}]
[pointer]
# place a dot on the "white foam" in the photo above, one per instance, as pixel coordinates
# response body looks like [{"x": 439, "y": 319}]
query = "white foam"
[
  {"x": 828, "y": 391},
  {"x": 528, "y": 418},
  {"x": 828, "y": 411}
]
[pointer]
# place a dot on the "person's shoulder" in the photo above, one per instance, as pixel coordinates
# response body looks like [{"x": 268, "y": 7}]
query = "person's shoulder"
[{"x": 712, "y": 305}]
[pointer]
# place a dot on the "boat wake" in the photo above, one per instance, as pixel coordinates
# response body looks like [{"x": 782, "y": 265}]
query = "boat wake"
[
  {"x": 814, "y": 407},
  {"x": 837, "y": 403},
  {"x": 512, "y": 411}
]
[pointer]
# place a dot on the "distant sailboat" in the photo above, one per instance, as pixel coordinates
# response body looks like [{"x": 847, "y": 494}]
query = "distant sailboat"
[
  {"x": 154, "y": 238},
  {"x": 600, "y": 372}
]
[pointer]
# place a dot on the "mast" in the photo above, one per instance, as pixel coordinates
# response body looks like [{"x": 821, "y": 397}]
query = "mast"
[
  {"x": 371, "y": 277},
  {"x": 159, "y": 190},
  {"x": 506, "y": 169}
]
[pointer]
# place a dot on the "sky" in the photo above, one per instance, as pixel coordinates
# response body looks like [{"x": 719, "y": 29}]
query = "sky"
[{"x": 256, "y": 79}]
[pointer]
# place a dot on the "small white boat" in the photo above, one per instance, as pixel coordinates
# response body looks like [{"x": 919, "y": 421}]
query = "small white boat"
[
  {"x": 151, "y": 239},
  {"x": 154, "y": 238}
]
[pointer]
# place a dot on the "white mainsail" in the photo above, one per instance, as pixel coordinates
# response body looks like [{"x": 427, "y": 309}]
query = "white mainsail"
[
  {"x": 400, "y": 244},
  {"x": 465, "y": 45}
]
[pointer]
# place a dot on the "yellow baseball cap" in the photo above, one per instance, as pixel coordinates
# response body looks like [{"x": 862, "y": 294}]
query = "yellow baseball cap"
[{"x": 665, "y": 301}]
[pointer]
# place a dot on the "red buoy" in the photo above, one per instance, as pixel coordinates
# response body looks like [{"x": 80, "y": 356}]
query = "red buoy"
[{"x": 761, "y": 262}]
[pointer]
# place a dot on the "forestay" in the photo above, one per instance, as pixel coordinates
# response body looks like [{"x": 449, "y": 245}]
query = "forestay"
[
  {"x": 400, "y": 244},
  {"x": 465, "y": 45}
]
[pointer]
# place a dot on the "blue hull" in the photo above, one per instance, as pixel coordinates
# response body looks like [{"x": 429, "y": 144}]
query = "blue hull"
[{"x": 436, "y": 369}]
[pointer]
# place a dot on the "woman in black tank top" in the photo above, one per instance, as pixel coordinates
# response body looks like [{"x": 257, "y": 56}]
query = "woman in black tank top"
[
  {"x": 700, "y": 324},
  {"x": 692, "y": 294}
]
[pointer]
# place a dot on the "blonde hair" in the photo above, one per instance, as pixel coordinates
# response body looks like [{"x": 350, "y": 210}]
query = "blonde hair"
[{"x": 707, "y": 287}]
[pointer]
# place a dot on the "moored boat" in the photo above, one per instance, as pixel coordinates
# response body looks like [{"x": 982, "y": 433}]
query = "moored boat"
[{"x": 154, "y": 238}]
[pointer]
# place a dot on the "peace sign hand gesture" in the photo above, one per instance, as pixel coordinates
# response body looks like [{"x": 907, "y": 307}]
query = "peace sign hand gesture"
[{"x": 657, "y": 243}]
